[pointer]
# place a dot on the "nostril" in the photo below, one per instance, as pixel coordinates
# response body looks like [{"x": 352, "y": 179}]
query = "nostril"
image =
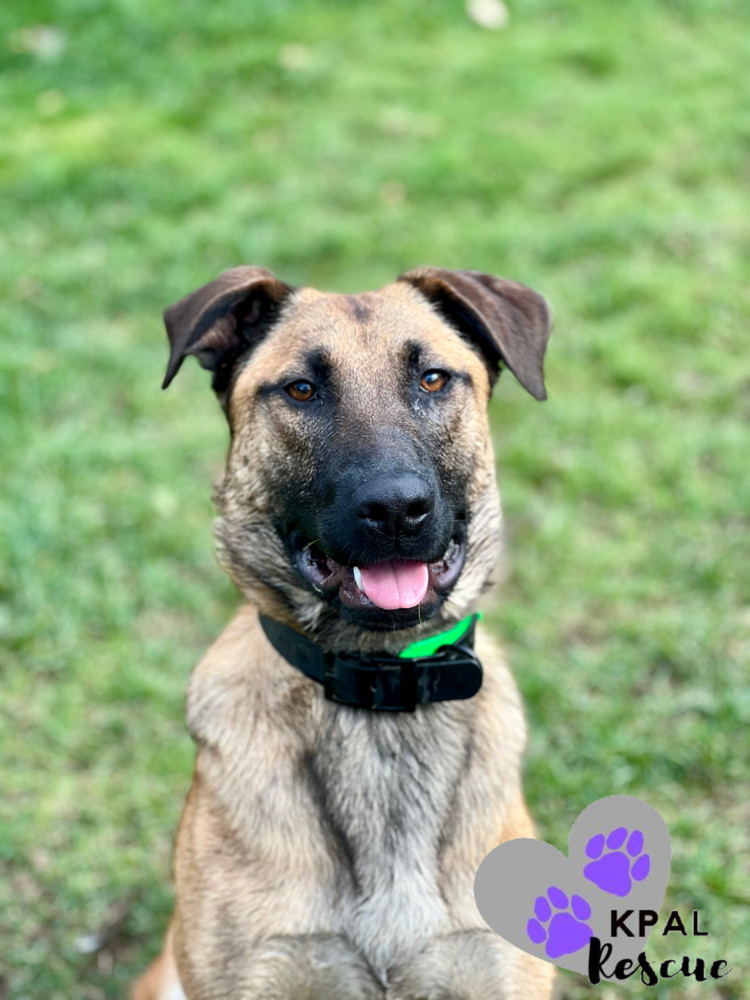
[
  {"x": 375, "y": 513},
  {"x": 418, "y": 510}
]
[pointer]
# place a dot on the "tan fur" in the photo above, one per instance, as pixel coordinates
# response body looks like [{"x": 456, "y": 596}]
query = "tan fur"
[{"x": 293, "y": 879}]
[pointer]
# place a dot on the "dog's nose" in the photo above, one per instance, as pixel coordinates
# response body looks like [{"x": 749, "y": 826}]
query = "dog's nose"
[{"x": 397, "y": 506}]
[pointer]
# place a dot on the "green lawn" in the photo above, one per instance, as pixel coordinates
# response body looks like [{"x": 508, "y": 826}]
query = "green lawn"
[{"x": 599, "y": 152}]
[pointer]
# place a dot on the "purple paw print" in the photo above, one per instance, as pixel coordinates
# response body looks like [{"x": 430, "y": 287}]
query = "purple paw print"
[
  {"x": 613, "y": 870},
  {"x": 565, "y": 933}
]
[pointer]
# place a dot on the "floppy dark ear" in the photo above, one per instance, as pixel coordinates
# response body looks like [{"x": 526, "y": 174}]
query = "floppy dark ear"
[
  {"x": 220, "y": 321},
  {"x": 508, "y": 321}
]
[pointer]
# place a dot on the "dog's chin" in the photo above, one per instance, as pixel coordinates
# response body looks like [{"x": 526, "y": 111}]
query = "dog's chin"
[
  {"x": 375, "y": 619},
  {"x": 338, "y": 585}
]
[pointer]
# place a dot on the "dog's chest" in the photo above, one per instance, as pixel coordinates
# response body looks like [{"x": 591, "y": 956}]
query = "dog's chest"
[{"x": 386, "y": 785}]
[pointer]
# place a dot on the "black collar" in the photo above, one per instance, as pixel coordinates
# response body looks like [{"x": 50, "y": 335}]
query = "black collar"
[{"x": 380, "y": 681}]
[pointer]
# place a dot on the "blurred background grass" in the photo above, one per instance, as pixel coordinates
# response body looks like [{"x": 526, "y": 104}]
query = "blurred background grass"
[{"x": 598, "y": 152}]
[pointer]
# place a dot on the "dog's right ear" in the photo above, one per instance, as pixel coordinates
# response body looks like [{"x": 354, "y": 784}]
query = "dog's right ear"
[
  {"x": 508, "y": 322},
  {"x": 220, "y": 321}
]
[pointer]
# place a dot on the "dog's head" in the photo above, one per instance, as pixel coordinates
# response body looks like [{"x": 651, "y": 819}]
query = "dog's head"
[{"x": 359, "y": 494}]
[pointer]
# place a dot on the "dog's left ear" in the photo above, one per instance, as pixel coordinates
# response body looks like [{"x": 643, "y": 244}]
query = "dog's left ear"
[
  {"x": 221, "y": 320},
  {"x": 509, "y": 322}
]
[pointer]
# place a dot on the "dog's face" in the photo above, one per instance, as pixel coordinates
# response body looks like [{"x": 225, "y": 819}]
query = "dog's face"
[{"x": 359, "y": 492}]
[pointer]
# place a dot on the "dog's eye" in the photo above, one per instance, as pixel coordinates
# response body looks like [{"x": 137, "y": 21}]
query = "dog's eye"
[
  {"x": 301, "y": 390},
  {"x": 433, "y": 380}
]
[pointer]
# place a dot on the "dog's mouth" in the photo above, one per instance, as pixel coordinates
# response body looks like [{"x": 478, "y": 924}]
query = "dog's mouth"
[{"x": 390, "y": 593}]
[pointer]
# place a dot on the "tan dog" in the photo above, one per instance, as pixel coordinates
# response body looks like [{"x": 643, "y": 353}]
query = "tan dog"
[{"x": 328, "y": 852}]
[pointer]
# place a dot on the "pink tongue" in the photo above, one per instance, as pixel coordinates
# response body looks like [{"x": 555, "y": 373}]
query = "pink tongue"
[{"x": 395, "y": 584}]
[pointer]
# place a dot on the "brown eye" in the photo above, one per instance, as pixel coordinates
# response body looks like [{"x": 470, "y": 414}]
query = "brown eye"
[
  {"x": 301, "y": 390},
  {"x": 433, "y": 381}
]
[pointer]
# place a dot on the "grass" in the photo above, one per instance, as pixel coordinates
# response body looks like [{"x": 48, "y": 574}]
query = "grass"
[{"x": 597, "y": 152}]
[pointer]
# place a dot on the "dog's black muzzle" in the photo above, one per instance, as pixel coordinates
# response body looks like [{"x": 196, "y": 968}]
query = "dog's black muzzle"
[{"x": 385, "y": 512}]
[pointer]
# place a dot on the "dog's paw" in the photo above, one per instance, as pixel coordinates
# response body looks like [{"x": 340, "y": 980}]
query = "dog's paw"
[
  {"x": 470, "y": 965},
  {"x": 614, "y": 870},
  {"x": 311, "y": 967}
]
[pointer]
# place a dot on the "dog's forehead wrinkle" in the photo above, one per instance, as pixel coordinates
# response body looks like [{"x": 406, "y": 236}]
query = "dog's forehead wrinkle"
[{"x": 369, "y": 318}]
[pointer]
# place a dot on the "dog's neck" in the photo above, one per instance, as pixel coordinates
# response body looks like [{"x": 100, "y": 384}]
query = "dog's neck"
[{"x": 442, "y": 667}]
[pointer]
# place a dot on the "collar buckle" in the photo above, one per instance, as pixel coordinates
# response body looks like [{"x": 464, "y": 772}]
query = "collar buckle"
[{"x": 380, "y": 683}]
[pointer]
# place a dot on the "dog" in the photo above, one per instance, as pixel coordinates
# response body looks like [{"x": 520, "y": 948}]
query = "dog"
[{"x": 351, "y": 772}]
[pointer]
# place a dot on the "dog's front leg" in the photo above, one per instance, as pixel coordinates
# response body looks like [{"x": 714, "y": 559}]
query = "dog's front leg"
[
  {"x": 283, "y": 967},
  {"x": 470, "y": 965},
  {"x": 308, "y": 967}
]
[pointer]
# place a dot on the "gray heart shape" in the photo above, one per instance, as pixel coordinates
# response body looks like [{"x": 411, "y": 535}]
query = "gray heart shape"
[{"x": 619, "y": 855}]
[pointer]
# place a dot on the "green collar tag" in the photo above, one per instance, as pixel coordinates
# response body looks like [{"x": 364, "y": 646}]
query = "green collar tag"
[{"x": 428, "y": 647}]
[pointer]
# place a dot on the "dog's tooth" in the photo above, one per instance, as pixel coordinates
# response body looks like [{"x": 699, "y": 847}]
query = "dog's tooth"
[{"x": 357, "y": 576}]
